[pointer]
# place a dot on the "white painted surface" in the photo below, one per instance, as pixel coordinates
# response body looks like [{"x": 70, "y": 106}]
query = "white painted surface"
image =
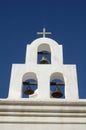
[
  {"x": 42, "y": 126},
  {"x": 38, "y": 114},
  {"x": 40, "y": 111},
  {"x": 43, "y": 73}
]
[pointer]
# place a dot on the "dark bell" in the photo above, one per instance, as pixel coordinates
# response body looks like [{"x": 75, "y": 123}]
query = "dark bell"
[
  {"x": 44, "y": 60},
  {"x": 28, "y": 91},
  {"x": 57, "y": 93}
]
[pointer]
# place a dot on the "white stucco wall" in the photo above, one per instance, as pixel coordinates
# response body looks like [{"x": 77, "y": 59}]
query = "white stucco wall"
[
  {"x": 40, "y": 111},
  {"x": 42, "y": 73}
]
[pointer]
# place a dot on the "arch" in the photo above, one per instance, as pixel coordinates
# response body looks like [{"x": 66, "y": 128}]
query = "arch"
[
  {"x": 57, "y": 85},
  {"x": 46, "y": 40},
  {"x": 58, "y": 75},
  {"x": 44, "y": 50},
  {"x": 29, "y": 75},
  {"x": 29, "y": 85},
  {"x": 47, "y": 44},
  {"x": 44, "y": 46}
]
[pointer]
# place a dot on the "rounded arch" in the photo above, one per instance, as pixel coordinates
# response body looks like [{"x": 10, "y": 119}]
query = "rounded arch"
[
  {"x": 29, "y": 85},
  {"x": 56, "y": 75},
  {"x": 44, "y": 53},
  {"x": 57, "y": 85},
  {"x": 44, "y": 46},
  {"x": 29, "y": 75},
  {"x": 44, "y": 40}
]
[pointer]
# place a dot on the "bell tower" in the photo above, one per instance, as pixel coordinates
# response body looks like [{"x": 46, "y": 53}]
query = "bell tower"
[
  {"x": 43, "y": 92},
  {"x": 44, "y": 64}
]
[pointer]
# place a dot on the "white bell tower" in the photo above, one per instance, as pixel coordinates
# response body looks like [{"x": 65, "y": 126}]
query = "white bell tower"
[
  {"x": 43, "y": 73},
  {"x": 43, "y": 92}
]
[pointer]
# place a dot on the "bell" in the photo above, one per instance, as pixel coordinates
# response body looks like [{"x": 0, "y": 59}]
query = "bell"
[
  {"x": 28, "y": 91},
  {"x": 44, "y": 60},
  {"x": 57, "y": 93}
]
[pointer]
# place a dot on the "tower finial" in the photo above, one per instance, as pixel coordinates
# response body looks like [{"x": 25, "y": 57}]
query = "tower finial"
[{"x": 43, "y": 33}]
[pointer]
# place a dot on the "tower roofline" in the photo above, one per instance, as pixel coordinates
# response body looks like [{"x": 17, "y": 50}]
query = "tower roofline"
[{"x": 44, "y": 39}]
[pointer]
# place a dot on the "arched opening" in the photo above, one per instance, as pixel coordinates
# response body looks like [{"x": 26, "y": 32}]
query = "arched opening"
[
  {"x": 29, "y": 86},
  {"x": 57, "y": 86},
  {"x": 44, "y": 54}
]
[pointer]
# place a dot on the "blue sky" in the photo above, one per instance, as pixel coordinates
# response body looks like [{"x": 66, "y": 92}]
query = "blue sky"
[{"x": 21, "y": 19}]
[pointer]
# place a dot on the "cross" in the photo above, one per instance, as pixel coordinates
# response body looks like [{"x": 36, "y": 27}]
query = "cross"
[{"x": 43, "y": 33}]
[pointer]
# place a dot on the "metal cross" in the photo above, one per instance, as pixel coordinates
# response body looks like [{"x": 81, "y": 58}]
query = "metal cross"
[{"x": 43, "y": 33}]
